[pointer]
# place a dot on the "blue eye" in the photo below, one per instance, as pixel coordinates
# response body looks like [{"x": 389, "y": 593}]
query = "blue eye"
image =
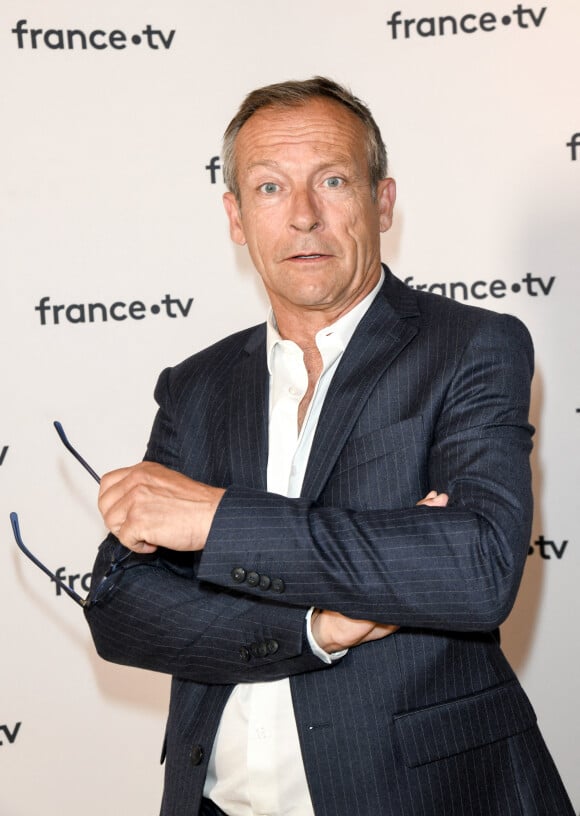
[
  {"x": 269, "y": 187},
  {"x": 333, "y": 181}
]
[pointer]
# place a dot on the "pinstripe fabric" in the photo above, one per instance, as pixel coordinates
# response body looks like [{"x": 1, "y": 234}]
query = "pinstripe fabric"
[{"x": 430, "y": 721}]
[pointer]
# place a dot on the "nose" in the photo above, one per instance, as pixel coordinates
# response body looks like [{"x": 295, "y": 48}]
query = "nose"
[{"x": 305, "y": 213}]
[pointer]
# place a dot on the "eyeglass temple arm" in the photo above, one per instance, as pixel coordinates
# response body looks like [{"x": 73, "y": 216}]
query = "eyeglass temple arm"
[
  {"x": 16, "y": 530},
  {"x": 16, "y": 526},
  {"x": 75, "y": 453}
]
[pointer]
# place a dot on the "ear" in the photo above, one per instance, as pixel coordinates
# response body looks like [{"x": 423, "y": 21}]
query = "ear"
[
  {"x": 235, "y": 219},
  {"x": 386, "y": 196}
]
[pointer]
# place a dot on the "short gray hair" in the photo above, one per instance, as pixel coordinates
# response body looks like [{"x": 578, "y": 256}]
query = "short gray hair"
[{"x": 295, "y": 93}]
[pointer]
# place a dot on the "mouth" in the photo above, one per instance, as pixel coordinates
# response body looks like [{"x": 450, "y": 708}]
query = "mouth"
[{"x": 313, "y": 256}]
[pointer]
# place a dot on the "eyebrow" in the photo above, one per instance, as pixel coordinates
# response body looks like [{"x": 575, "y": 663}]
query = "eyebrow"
[
  {"x": 254, "y": 165},
  {"x": 342, "y": 160}
]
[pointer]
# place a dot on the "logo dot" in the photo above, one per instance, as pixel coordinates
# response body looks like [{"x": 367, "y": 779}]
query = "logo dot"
[
  {"x": 136, "y": 39},
  {"x": 516, "y": 287},
  {"x": 155, "y": 309},
  {"x": 506, "y": 20}
]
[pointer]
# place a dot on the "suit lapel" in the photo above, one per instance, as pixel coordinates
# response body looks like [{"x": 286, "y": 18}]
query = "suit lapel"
[
  {"x": 380, "y": 337},
  {"x": 248, "y": 415},
  {"x": 382, "y": 334}
]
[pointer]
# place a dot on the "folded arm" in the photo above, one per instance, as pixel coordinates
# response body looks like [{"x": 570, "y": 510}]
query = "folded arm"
[
  {"x": 143, "y": 612},
  {"x": 456, "y": 568}
]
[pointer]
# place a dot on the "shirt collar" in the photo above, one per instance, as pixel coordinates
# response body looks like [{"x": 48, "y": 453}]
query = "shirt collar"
[{"x": 338, "y": 333}]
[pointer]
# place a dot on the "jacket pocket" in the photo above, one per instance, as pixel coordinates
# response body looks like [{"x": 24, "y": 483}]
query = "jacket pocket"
[{"x": 450, "y": 728}]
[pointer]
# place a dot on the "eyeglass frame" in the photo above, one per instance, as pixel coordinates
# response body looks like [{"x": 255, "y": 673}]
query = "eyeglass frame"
[{"x": 16, "y": 524}]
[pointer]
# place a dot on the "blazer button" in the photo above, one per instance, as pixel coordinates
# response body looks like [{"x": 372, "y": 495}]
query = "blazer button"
[
  {"x": 244, "y": 653},
  {"x": 253, "y": 579},
  {"x": 196, "y": 755},
  {"x": 259, "y": 649},
  {"x": 278, "y": 585},
  {"x": 239, "y": 575},
  {"x": 272, "y": 646},
  {"x": 265, "y": 582}
]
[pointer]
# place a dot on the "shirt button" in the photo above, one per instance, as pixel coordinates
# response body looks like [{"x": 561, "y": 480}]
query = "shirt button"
[{"x": 295, "y": 392}]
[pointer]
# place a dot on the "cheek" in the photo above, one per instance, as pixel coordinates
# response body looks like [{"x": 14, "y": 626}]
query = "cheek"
[
  {"x": 265, "y": 228},
  {"x": 260, "y": 247},
  {"x": 347, "y": 218},
  {"x": 363, "y": 226}
]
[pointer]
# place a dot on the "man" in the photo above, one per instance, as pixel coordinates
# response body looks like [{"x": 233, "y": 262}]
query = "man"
[{"x": 333, "y": 646}]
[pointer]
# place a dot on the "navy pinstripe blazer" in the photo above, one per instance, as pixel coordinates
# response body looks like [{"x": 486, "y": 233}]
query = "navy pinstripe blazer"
[{"x": 430, "y": 721}]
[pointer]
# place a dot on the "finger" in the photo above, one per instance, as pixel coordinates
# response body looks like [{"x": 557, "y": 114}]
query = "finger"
[
  {"x": 440, "y": 500},
  {"x": 434, "y": 499},
  {"x": 130, "y": 483},
  {"x": 139, "y": 547},
  {"x": 113, "y": 476},
  {"x": 133, "y": 535},
  {"x": 129, "y": 510},
  {"x": 113, "y": 487},
  {"x": 379, "y": 631},
  {"x": 430, "y": 495},
  {"x": 160, "y": 479}
]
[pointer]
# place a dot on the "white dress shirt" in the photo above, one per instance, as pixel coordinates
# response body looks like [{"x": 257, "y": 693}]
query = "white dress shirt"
[{"x": 256, "y": 767}]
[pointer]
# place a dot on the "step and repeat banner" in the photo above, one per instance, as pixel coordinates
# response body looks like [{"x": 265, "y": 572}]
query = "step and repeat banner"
[{"x": 116, "y": 262}]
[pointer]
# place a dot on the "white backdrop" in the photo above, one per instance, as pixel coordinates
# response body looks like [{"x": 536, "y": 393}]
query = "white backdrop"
[{"x": 106, "y": 197}]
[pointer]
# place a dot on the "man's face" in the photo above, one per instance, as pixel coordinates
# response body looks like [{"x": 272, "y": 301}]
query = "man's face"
[{"x": 306, "y": 207}]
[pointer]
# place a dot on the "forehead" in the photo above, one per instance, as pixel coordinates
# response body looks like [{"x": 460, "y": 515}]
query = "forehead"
[{"x": 320, "y": 126}]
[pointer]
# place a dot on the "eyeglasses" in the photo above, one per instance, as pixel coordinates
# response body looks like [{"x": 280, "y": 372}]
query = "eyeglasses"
[{"x": 16, "y": 526}]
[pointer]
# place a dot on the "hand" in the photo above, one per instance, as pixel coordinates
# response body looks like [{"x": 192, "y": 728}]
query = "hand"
[
  {"x": 148, "y": 506},
  {"x": 334, "y": 632}
]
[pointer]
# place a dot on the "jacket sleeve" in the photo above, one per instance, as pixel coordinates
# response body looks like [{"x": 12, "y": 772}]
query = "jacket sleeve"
[
  {"x": 153, "y": 612},
  {"x": 456, "y": 568},
  {"x": 143, "y": 612}
]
